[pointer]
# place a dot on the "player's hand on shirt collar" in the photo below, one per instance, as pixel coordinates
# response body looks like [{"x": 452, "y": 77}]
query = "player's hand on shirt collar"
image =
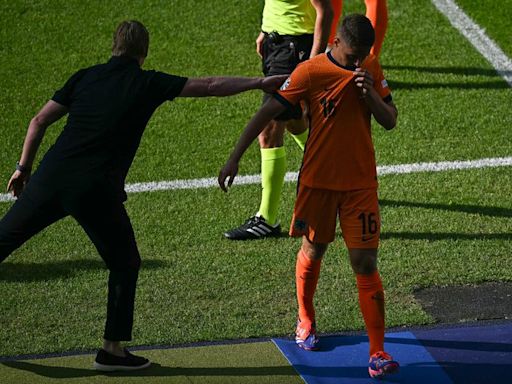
[{"x": 363, "y": 80}]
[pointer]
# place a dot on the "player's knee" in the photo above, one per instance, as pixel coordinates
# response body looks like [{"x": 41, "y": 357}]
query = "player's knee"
[
  {"x": 313, "y": 251},
  {"x": 272, "y": 135},
  {"x": 363, "y": 261},
  {"x": 296, "y": 127},
  {"x": 364, "y": 269}
]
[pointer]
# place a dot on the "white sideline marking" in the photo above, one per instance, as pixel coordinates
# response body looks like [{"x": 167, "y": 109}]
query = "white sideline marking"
[
  {"x": 477, "y": 37},
  {"x": 292, "y": 176},
  {"x": 469, "y": 29}
]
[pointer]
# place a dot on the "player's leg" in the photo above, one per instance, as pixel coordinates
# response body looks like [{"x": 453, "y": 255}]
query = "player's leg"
[
  {"x": 107, "y": 224},
  {"x": 298, "y": 122},
  {"x": 360, "y": 222},
  {"x": 307, "y": 273},
  {"x": 299, "y": 129},
  {"x": 371, "y": 302},
  {"x": 371, "y": 294},
  {"x": 34, "y": 210},
  {"x": 377, "y": 12},
  {"x": 280, "y": 56},
  {"x": 337, "y": 7},
  {"x": 273, "y": 169},
  {"x": 314, "y": 219}
]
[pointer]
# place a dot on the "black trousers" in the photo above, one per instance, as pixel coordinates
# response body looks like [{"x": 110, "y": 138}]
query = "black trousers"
[{"x": 101, "y": 213}]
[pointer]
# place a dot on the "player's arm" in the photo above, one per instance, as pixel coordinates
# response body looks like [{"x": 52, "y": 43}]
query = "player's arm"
[
  {"x": 324, "y": 17},
  {"x": 384, "y": 111},
  {"x": 266, "y": 113},
  {"x": 227, "y": 86},
  {"x": 50, "y": 113}
]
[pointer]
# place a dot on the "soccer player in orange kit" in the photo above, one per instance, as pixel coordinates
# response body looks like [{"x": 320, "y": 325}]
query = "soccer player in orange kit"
[
  {"x": 338, "y": 177},
  {"x": 376, "y": 11}
]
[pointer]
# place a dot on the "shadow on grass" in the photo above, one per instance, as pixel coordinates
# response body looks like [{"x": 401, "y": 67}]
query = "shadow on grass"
[
  {"x": 461, "y": 71},
  {"x": 448, "y": 85},
  {"x": 475, "y": 209},
  {"x": 434, "y": 236},
  {"x": 27, "y": 272},
  {"x": 465, "y": 71},
  {"x": 463, "y": 208},
  {"x": 155, "y": 370}
]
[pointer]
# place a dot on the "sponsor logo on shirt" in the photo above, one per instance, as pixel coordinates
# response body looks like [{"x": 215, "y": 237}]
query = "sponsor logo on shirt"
[{"x": 384, "y": 83}]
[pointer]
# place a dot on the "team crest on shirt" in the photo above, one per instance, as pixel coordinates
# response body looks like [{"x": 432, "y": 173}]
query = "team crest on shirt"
[
  {"x": 285, "y": 84},
  {"x": 384, "y": 83}
]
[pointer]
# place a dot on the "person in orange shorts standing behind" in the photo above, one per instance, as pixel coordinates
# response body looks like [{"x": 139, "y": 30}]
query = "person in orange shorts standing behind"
[
  {"x": 376, "y": 11},
  {"x": 338, "y": 177}
]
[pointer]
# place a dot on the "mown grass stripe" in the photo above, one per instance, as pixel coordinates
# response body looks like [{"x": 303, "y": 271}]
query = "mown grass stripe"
[
  {"x": 477, "y": 37},
  {"x": 292, "y": 176}
]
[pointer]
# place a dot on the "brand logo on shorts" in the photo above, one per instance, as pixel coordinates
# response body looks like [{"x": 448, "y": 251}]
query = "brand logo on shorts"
[
  {"x": 300, "y": 225},
  {"x": 367, "y": 238}
]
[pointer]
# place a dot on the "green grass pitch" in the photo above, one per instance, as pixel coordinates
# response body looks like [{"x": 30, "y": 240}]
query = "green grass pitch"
[{"x": 441, "y": 228}]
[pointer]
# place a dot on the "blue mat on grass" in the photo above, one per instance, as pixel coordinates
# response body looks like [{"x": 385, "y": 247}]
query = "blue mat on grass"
[{"x": 468, "y": 355}]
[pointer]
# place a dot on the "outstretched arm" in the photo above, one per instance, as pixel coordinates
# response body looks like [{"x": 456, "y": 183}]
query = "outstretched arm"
[
  {"x": 227, "y": 86},
  {"x": 267, "y": 112},
  {"x": 49, "y": 114}
]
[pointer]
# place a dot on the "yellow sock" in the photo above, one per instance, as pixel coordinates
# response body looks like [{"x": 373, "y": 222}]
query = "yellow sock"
[
  {"x": 301, "y": 138},
  {"x": 273, "y": 169}
]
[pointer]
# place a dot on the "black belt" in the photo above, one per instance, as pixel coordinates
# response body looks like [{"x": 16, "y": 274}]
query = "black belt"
[{"x": 277, "y": 38}]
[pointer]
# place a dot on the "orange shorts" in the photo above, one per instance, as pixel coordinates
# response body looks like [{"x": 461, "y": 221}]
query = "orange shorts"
[{"x": 315, "y": 212}]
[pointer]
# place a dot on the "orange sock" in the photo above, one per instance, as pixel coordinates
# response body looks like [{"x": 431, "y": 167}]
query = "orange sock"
[
  {"x": 371, "y": 302},
  {"x": 307, "y": 272},
  {"x": 377, "y": 12}
]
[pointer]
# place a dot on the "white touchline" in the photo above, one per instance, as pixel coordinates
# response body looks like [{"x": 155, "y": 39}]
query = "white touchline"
[
  {"x": 292, "y": 176},
  {"x": 464, "y": 25},
  {"x": 477, "y": 36}
]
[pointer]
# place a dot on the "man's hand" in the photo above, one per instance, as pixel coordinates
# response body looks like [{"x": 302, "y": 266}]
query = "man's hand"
[
  {"x": 230, "y": 170},
  {"x": 17, "y": 182},
  {"x": 273, "y": 83},
  {"x": 259, "y": 44},
  {"x": 384, "y": 112},
  {"x": 363, "y": 80}
]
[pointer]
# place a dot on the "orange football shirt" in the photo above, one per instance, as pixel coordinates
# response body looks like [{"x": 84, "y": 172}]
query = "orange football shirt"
[{"x": 339, "y": 153}]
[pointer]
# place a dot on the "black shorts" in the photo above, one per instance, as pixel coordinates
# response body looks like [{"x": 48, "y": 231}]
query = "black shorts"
[{"x": 281, "y": 54}]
